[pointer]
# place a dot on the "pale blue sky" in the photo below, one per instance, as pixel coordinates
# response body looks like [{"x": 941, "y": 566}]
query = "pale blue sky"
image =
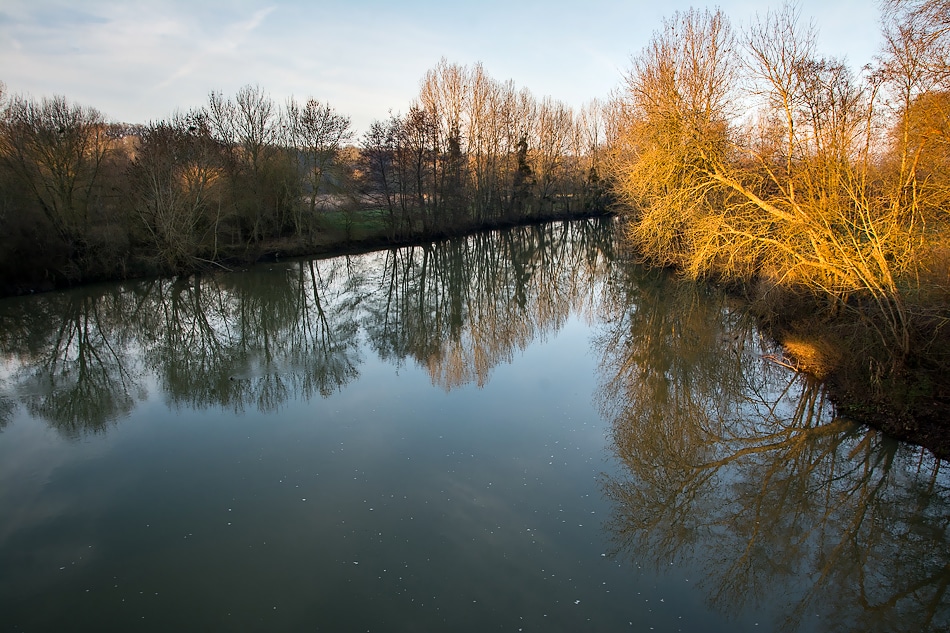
[{"x": 137, "y": 60}]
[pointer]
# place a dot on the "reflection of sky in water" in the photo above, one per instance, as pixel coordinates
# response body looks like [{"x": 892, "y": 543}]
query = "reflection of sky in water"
[{"x": 345, "y": 469}]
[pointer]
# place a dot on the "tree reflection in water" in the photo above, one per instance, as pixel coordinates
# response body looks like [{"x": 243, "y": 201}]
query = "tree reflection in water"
[
  {"x": 74, "y": 369},
  {"x": 734, "y": 465},
  {"x": 461, "y": 308},
  {"x": 79, "y": 359},
  {"x": 728, "y": 461},
  {"x": 293, "y": 330},
  {"x": 255, "y": 340}
]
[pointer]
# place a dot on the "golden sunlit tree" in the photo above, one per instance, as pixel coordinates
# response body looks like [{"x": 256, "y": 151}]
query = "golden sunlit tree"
[
  {"x": 791, "y": 181},
  {"x": 673, "y": 130}
]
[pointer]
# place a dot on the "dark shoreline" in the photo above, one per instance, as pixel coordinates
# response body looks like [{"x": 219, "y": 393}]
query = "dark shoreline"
[
  {"x": 923, "y": 422},
  {"x": 368, "y": 244},
  {"x": 908, "y": 400},
  {"x": 332, "y": 244}
]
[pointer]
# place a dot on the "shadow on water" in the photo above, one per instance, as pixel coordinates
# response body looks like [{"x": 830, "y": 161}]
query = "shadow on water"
[{"x": 733, "y": 465}]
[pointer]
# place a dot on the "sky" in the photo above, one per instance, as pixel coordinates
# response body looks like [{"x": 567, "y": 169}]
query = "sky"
[{"x": 141, "y": 60}]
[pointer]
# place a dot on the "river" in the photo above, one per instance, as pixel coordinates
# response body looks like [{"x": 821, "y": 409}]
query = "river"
[{"x": 520, "y": 430}]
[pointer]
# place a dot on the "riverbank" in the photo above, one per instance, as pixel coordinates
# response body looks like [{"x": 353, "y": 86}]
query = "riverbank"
[
  {"x": 341, "y": 237},
  {"x": 906, "y": 398},
  {"x": 337, "y": 233}
]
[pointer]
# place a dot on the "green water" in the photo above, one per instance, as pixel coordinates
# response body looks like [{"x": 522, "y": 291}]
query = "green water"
[{"x": 515, "y": 431}]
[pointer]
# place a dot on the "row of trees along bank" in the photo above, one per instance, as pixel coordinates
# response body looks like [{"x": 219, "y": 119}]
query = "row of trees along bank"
[
  {"x": 82, "y": 198},
  {"x": 745, "y": 156}
]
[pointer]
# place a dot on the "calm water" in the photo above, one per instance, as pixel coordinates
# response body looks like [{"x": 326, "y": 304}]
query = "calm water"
[{"x": 518, "y": 431}]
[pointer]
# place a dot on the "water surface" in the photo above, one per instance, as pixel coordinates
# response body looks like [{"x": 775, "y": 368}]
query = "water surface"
[{"x": 514, "y": 431}]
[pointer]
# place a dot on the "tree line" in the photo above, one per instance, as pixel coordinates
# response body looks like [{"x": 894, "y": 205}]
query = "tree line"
[
  {"x": 83, "y": 198},
  {"x": 746, "y": 156},
  {"x": 472, "y": 149}
]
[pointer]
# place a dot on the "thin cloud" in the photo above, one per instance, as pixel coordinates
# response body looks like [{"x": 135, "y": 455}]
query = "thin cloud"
[
  {"x": 138, "y": 59},
  {"x": 229, "y": 41}
]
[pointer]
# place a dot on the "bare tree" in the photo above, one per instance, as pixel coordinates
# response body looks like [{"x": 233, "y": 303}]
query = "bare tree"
[
  {"x": 317, "y": 132},
  {"x": 175, "y": 179},
  {"x": 256, "y": 122},
  {"x": 552, "y": 132},
  {"x": 801, "y": 192},
  {"x": 56, "y": 149},
  {"x": 377, "y": 165},
  {"x": 674, "y": 117},
  {"x": 263, "y": 178}
]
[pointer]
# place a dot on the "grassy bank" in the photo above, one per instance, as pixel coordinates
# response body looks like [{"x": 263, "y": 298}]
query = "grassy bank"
[
  {"x": 362, "y": 231},
  {"x": 337, "y": 232}
]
